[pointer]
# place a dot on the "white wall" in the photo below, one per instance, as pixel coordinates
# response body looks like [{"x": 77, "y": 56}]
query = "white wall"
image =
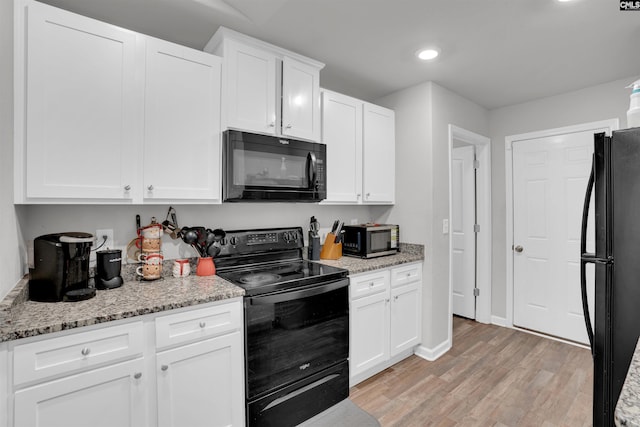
[
  {"x": 10, "y": 253},
  {"x": 606, "y": 101},
  {"x": 423, "y": 115},
  {"x": 46, "y": 219}
]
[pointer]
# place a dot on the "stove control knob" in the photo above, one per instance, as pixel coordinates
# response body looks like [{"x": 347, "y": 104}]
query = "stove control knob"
[
  {"x": 233, "y": 241},
  {"x": 286, "y": 237}
]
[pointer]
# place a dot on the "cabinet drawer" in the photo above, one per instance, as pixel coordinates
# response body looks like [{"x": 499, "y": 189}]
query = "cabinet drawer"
[
  {"x": 197, "y": 324},
  {"x": 369, "y": 284},
  {"x": 43, "y": 359},
  {"x": 406, "y": 274}
]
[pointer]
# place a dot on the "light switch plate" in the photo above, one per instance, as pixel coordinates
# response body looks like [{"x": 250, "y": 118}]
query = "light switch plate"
[{"x": 445, "y": 226}]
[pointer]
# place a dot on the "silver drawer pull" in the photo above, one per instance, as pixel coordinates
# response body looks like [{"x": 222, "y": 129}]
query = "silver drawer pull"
[
  {"x": 85, "y": 351},
  {"x": 137, "y": 375},
  {"x": 202, "y": 324},
  {"x": 408, "y": 274},
  {"x": 127, "y": 187},
  {"x": 395, "y": 298},
  {"x": 371, "y": 285},
  {"x": 164, "y": 367}
]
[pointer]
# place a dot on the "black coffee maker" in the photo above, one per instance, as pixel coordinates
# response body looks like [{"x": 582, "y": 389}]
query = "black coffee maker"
[
  {"x": 61, "y": 267},
  {"x": 108, "y": 267}
]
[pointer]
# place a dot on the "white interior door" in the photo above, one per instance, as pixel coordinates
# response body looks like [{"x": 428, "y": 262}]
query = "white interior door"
[
  {"x": 463, "y": 218},
  {"x": 549, "y": 180}
]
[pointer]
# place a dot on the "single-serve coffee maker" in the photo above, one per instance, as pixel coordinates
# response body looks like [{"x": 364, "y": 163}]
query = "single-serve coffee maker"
[
  {"x": 108, "y": 265},
  {"x": 61, "y": 267}
]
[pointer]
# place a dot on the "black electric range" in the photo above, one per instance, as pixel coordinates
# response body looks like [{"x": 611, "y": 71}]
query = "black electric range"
[
  {"x": 296, "y": 326},
  {"x": 270, "y": 260}
]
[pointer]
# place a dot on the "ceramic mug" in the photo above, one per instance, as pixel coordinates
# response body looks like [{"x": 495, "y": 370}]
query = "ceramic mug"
[
  {"x": 153, "y": 231},
  {"x": 151, "y": 257},
  {"x": 151, "y": 244},
  {"x": 181, "y": 268},
  {"x": 149, "y": 271}
]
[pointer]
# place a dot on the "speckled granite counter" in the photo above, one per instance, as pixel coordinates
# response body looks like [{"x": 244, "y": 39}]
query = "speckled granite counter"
[
  {"x": 21, "y": 318},
  {"x": 628, "y": 407},
  {"x": 408, "y": 253}
]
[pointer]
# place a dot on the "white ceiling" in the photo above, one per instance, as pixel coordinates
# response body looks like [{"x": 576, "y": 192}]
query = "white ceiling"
[{"x": 494, "y": 52}]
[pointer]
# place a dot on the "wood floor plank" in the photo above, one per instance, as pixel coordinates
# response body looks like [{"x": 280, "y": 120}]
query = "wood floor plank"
[{"x": 492, "y": 376}]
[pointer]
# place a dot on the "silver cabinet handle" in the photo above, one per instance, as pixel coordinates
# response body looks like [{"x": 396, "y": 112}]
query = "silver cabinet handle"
[
  {"x": 202, "y": 324},
  {"x": 127, "y": 187},
  {"x": 164, "y": 367},
  {"x": 137, "y": 375},
  {"x": 408, "y": 274},
  {"x": 358, "y": 195},
  {"x": 518, "y": 249},
  {"x": 395, "y": 298},
  {"x": 371, "y": 285},
  {"x": 387, "y": 300},
  {"x": 150, "y": 188},
  {"x": 85, "y": 351},
  {"x": 368, "y": 194}
]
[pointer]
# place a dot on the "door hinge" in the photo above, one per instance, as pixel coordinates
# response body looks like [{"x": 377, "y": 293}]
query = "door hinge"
[
  {"x": 476, "y": 292},
  {"x": 476, "y": 228},
  {"x": 476, "y": 164}
]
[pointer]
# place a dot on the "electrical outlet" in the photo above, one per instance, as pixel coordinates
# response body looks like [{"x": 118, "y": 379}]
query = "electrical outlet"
[
  {"x": 109, "y": 243},
  {"x": 445, "y": 226}
]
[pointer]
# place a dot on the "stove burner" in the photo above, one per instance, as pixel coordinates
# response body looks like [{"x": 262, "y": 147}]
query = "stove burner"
[{"x": 260, "y": 278}]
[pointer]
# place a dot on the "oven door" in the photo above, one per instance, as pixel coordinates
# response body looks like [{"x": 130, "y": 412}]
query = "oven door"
[
  {"x": 267, "y": 168},
  {"x": 292, "y": 335}
]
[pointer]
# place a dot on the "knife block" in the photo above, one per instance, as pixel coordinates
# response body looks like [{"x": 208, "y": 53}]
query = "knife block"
[{"x": 331, "y": 249}]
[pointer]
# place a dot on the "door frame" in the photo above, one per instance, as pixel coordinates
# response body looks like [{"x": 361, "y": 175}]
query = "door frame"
[
  {"x": 483, "y": 218},
  {"x": 611, "y": 124}
]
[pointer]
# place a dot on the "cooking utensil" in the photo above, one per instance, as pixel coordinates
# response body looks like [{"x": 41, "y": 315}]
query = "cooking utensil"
[
  {"x": 189, "y": 235},
  {"x": 213, "y": 250},
  {"x": 219, "y": 234}
]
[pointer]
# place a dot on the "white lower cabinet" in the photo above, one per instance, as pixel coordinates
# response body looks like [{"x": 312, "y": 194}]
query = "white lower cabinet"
[
  {"x": 201, "y": 384},
  {"x": 105, "y": 397},
  {"x": 385, "y": 319},
  {"x": 186, "y": 367}
]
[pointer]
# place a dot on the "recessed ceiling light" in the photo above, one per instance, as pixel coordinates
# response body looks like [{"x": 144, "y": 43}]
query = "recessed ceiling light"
[{"x": 428, "y": 54}]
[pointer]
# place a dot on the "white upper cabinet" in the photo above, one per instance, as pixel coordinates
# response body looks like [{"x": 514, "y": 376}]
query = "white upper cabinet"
[
  {"x": 360, "y": 139},
  {"x": 77, "y": 105},
  {"x": 107, "y": 115},
  {"x": 251, "y": 88},
  {"x": 300, "y": 100},
  {"x": 342, "y": 133},
  {"x": 378, "y": 154},
  {"x": 267, "y": 89},
  {"x": 182, "y": 123}
]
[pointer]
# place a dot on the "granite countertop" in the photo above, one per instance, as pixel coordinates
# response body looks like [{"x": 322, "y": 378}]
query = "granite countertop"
[
  {"x": 408, "y": 253},
  {"x": 628, "y": 407},
  {"x": 21, "y": 318}
]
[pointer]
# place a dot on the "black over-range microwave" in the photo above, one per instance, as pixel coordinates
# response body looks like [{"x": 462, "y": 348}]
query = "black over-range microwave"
[
  {"x": 371, "y": 240},
  {"x": 264, "y": 168}
]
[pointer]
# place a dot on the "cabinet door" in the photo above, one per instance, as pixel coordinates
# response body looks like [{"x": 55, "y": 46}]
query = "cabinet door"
[
  {"x": 106, "y": 397},
  {"x": 405, "y": 317},
  {"x": 201, "y": 384},
  {"x": 342, "y": 133},
  {"x": 182, "y": 123},
  {"x": 378, "y": 154},
  {"x": 82, "y": 107},
  {"x": 369, "y": 332},
  {"x": 300, "y": 100},
  {"x": 250, "y": 88}
]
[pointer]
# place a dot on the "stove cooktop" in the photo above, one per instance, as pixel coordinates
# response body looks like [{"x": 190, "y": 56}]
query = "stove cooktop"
[{"x": 281, "y": 276}]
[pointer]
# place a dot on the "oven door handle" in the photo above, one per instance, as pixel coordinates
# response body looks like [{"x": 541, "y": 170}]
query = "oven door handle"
[{"x": 294, "y": 295}]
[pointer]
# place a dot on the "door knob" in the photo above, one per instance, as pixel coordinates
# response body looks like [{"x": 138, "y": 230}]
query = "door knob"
[{"x": 518, "y": 249}]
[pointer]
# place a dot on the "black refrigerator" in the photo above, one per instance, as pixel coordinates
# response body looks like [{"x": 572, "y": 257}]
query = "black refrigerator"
[{"x": 615, "y": 179}]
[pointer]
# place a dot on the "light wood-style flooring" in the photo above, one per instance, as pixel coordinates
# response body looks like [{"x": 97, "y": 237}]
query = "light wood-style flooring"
[{"x": 492, "y": 376}]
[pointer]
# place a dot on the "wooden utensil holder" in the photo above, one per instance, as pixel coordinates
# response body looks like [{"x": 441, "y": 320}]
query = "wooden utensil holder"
[{"x": 331, "y": 249}]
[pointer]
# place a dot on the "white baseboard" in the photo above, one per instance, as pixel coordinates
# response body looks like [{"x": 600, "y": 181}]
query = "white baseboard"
[
  {"x": 499, "y": 321},
  {"x": 432, "y": 354}
]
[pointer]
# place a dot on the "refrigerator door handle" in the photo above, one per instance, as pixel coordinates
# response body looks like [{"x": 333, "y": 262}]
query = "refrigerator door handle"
[{"x": 585, "y": 257}]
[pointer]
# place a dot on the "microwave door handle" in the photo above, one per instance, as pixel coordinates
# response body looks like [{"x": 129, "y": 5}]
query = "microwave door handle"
[{"x": 312, "y": 169}]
